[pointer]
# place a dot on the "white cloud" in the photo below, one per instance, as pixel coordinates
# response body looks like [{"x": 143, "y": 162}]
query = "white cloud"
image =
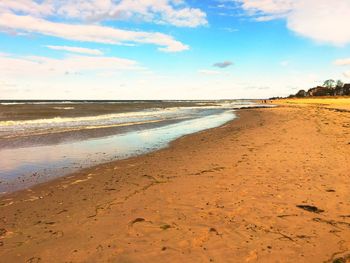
[
  {"x": 174, "y": 12},
  {"x": 159, "y": 11},
  {"x": 27, "y": 7},
  {"x": 320, "y": 20},
  {"x": 342, "y": 62},
  {"x": 31, "y": 16},
  {"x": 208, "y": 72},
  {"x": 285, "y": 63},
  {"x": 267, "y": 7},
  {"x": 80, "y": 50},
  {"x": 230, "y": 29},
  {"x": 89, "y": 33},
  {"x": 34, "y": 66},
  {"x": 347, "y": 74}
]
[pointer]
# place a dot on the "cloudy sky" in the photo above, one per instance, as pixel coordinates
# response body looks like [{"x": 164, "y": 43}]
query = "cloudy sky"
[{"x": 170, "y": 49}]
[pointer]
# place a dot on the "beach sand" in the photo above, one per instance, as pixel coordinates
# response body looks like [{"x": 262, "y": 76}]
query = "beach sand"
[
  {"x": 272, "y": 186},
  {"x": 337, "y": 103}
]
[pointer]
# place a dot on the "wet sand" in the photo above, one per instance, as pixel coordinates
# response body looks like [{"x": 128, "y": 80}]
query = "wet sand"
[{"x": 272, "y": 186}]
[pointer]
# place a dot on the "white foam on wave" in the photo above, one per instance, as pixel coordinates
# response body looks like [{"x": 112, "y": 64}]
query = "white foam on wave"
[
  {"x": 64, "y": 108},
  {"x": 137, "y": 114},
  {"x": 10, "y": 129}
]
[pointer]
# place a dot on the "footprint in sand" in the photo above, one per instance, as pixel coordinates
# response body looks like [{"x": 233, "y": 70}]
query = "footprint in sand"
[{"x": 140, "y": 226}]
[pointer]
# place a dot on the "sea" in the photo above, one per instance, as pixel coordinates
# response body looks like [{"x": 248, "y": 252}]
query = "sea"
[{"x": 43, "y": 140}]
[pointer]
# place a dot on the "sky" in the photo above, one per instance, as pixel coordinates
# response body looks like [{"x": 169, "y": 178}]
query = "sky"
[{"x": 170, "y": 49}]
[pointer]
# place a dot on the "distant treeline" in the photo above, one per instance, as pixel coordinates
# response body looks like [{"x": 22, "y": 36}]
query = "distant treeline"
[{"x": 329, "y": 88}]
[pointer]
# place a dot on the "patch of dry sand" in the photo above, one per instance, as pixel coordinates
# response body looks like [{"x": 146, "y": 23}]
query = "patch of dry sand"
[{"x": 340, "y": 103}]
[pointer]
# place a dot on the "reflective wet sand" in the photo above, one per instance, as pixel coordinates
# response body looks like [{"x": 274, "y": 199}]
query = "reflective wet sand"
[{"x": 21, "y": 167}]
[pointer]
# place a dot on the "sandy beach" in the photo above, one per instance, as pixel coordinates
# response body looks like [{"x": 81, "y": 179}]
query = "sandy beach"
[{"x": 272, "y": 186}]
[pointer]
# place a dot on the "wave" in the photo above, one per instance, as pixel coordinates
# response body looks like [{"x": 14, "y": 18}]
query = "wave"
[
  {"x": 20, "y": 128},
  {"x": 11, "y": 129}
]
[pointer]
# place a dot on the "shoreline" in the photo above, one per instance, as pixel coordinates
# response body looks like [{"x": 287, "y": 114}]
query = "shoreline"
[
  {"x": 196, "y": 199},
  {"x": 83, "y": 156},
  {"x": 87, "y": 170}
]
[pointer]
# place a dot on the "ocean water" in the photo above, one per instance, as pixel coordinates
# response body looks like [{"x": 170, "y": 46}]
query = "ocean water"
[
  {"x": 17, "y": 128},
  {"x": 41, "y": 141}
]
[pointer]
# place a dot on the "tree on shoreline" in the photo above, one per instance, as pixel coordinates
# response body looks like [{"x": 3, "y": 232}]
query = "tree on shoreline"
[
  {"x": 330, "y": 87},
  {"x": 340, "y": 83},
  {"x": 329, "y": 83}
]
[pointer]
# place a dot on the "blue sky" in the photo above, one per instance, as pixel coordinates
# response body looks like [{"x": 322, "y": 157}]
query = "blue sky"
[{"x": 170, "y": 49}]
